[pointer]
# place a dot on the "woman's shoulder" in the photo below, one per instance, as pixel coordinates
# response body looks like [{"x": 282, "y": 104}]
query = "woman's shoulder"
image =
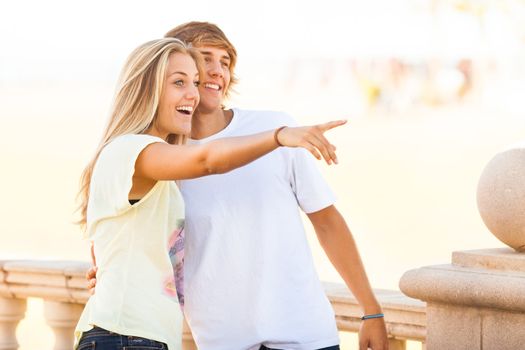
[
  {"x": 134, "y": 139},
  {"x": 129, "y": 142}
]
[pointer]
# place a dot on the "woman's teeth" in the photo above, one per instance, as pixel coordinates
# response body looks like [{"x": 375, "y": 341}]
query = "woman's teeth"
[{"x": 185, "y": 109}]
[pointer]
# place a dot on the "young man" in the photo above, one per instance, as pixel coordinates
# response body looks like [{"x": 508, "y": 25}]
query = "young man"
[{"x": 250, "y": 281}]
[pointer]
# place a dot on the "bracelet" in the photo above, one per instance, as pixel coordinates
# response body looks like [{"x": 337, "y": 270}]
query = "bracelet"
[
  {"x": 276, "y": 132},
  {"x": 367, "y": 317}
]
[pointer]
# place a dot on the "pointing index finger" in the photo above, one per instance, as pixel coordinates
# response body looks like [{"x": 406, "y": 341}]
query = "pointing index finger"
[{"x": 333, "y": 124}]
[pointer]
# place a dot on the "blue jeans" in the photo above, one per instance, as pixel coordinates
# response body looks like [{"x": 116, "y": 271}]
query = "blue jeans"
[
  {"x": 335, "y": 347},
  {"x": 101, "y": 339}
]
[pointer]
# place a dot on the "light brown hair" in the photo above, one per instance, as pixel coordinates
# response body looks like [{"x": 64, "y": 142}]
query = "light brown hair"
[{"x": 198, "y": 34}]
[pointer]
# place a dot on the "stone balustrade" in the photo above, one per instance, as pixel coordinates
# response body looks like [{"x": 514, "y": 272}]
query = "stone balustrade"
[
  {"x": 476, "y": 302},
  {"x": 62, "y": 286}
]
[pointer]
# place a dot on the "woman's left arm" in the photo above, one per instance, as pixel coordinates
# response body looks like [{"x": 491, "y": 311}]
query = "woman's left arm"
[{"x": 339, "y": 245}]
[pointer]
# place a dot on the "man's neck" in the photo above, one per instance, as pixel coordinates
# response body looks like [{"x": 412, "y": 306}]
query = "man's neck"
[{"x": 207, "y": 124}]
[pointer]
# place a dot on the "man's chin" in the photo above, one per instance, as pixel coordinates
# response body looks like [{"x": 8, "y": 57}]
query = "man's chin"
[{"x": 209, "y": 106}]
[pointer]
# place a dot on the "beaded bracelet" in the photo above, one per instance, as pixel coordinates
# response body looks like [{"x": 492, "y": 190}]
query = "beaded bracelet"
[{"x": 367, "y": 317}]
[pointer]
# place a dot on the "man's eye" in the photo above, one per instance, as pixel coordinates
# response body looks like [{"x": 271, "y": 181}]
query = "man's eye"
[{"x": 226, "y": 64}]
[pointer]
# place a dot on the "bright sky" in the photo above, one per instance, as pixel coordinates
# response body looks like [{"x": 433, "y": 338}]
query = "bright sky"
[{"x": 73, "y": 40}]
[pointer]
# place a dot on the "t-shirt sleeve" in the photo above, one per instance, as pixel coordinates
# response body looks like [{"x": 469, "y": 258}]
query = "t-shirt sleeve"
[
  {"x": 112, "y": 178},
  {"x": 311, "y": 190}
]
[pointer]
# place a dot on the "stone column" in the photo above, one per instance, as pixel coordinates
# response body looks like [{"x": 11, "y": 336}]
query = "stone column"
[
  {"x": 475, "y": 303},
  {"x": 11, "y": 312},
  {"x": 478, "y": 301},
  {"x": 62, "y": 318}
]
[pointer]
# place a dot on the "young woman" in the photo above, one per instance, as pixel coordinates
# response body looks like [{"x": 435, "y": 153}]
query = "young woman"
[{"x": 131, "y": 207}]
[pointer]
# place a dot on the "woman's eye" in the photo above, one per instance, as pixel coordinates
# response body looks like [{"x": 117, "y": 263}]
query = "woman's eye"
[
  {"x": 207, "y": 59},
  {"x": 179, "y": 82},
  {"x": 196, "y": 83}
]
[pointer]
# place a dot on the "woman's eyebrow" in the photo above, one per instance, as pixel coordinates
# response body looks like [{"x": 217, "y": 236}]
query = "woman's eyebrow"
[{"x": 178, "y": 72}]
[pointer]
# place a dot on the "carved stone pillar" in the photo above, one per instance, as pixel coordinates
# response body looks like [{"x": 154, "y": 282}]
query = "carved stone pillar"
[
  {"x": 11, "y": 312},
  {"x": 475, "y": 303},
  {"x": 62, "y": 318},
  {"x": 478, "y": 301},
  {"x": 397, "y": 344}
]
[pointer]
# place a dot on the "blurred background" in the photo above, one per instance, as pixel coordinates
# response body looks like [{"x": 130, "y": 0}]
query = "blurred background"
[{"x": 432, "y": 90}]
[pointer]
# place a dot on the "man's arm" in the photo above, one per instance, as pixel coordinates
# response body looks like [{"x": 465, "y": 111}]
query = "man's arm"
[{"x": 339, "y": 245}]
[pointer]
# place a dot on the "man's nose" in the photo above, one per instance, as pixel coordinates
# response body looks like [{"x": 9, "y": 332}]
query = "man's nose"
[{"x": 216, "y": 69}]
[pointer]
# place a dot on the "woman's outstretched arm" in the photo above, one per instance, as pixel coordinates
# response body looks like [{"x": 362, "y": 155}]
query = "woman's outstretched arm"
[{"x": 160, "y": 161}]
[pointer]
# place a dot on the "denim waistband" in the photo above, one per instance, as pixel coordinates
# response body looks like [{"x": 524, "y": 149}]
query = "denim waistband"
[{"x": 100, "y": 337}]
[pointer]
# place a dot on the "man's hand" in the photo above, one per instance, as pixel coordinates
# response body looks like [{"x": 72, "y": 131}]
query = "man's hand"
[
  {"x": 91, "y": 276},
  {"x": 372, "y": 335}
]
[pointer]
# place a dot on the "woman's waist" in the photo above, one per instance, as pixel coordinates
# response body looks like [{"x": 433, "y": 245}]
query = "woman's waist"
[
  {"x": 132, "y": 308},
  {"x": 161, "y": 321}
]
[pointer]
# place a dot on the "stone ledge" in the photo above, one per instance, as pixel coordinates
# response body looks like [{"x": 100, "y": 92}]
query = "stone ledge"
[
  {"x": 502, "y": 259},
  {"x": 466, "y": 286},
  {"x": 405, "y": 317},
  {"x": 52, "y": 267},
  {"x": 49, "y": 279}
]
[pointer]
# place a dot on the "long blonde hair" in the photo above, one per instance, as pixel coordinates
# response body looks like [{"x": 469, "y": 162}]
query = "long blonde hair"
[{"x": 136, "y": 101}]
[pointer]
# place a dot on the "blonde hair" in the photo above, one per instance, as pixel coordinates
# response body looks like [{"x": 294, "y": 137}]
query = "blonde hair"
[
  {"x": 136, "y": 101},
  {"x": 207, "y": 34}
]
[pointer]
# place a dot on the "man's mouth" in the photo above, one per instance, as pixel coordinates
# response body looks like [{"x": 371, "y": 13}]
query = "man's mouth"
[
  {"x": 212, "y": 86},
  {"x": 188, "y": 110}
]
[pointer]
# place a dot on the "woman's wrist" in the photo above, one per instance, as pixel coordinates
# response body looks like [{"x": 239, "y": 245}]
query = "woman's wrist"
[{"x": 276, "y": 135}]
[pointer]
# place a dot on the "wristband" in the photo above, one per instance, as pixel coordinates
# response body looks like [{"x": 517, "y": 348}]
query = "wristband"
[
  {"x": 276, "y": 132},
  {"x": 367, "y": 317}
]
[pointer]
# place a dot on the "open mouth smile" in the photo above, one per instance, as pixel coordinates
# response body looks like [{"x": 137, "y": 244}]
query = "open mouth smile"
[
  {"x": 213, "y": 86},
  {"x": 188, "y": 110}
]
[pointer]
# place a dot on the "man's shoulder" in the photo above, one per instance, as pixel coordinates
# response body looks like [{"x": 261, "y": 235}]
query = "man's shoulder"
[{"x": 265, "y": 117}]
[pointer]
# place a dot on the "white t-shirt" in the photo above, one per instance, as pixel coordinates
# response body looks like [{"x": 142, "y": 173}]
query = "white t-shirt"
[
  {"x": 249, "y": 273},
  {"x": 137, "y": 247}
]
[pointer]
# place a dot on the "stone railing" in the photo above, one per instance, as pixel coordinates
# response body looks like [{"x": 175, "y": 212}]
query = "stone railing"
[{"x": 62, "y": 286}]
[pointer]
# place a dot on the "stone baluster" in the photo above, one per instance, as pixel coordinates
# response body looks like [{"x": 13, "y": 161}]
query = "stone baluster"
[
  {"x": 11, "y": 312},
  {"x": 62, "y": 318},
  {"x": 397, "y": 344}
]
